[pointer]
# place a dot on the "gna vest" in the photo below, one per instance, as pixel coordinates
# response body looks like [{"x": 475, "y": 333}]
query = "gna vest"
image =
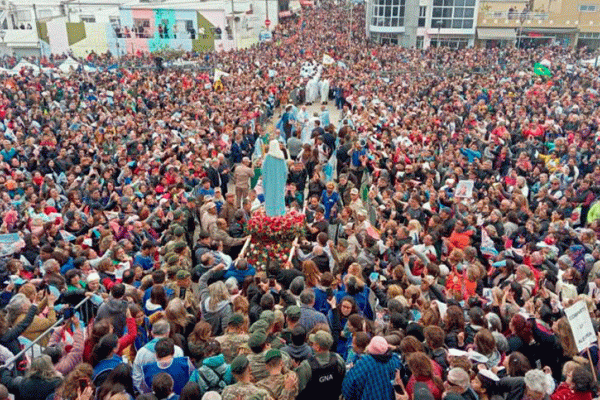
[{"x": 325, "y": 382}]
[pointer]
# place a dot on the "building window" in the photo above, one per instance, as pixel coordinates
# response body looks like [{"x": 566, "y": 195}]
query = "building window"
[
  {"x": 388, "y": 13},
  {"x": 419, "y": 42},
  {"x": 385, "y": 37},
  {"x": 422, "y": 16},
  {"x": 141, "y": 28},
  {"x": 87, "y": 18},
  {"x": 587, "y": 8},
  {"x": 452, "y": 42},
  {"x": 43, "y": 14},
  {"x": 23, "y": 15},
  {"x": 453, "y": 14}
]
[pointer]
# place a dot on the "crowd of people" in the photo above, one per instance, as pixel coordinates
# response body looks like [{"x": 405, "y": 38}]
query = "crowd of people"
[{"x": 451, "y": 217}]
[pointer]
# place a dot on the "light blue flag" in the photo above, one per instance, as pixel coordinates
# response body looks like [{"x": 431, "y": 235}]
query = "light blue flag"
[
  {"x": 331, "y": 167},
  {"x": 257, "y": 149}
]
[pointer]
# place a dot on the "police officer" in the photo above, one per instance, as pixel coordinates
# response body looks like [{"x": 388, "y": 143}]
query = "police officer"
[{"x": 321, "y": 375}]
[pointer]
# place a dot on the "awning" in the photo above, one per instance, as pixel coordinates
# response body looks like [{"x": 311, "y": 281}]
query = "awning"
[
  {"x": 307, "y": 3},
  {"x": 285, "y": 14},
  {"x": 548, "y": 31},
  {"x": 496, "y": 34}
]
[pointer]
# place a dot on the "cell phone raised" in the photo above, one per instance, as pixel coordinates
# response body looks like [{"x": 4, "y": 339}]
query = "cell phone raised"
[
  {"x": 329, "y": 292},
  {"x": 83, "y": 383}
]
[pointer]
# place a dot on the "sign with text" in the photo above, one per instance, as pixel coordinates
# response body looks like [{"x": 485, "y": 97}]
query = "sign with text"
[{"x": 581, "y": 325}]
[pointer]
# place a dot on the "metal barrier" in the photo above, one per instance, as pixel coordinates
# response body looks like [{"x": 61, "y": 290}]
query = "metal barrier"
[{"x": 85, "y": 310}]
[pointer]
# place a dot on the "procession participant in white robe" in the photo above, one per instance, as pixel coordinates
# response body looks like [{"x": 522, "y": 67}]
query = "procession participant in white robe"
[
  {"x": 303, "y": 122},
  {"x": 324, "y": 90}
]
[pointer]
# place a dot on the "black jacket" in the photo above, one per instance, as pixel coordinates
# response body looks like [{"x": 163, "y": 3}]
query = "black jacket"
[
  {"x": 31, "y": 388},
  {"x": 10, "y": 339}
]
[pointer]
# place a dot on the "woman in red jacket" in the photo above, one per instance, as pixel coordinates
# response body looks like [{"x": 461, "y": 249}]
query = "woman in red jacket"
[
  {"x": 422, "y": 371},
  {"x": 578, "y": 386}
]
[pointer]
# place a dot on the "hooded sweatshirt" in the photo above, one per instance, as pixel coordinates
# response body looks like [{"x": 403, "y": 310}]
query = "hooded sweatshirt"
[
  {"x": 213, "y": 374},
  {"x": 298, "y": 353},
  {"x": 115, "y": 310}
]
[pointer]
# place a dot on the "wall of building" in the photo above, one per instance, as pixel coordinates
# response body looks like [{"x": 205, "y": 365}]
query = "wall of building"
[
  {"x": 419, "y": 27},
  {"x": 562, "y": 21}
]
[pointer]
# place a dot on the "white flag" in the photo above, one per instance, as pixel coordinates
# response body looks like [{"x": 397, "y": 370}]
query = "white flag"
[
  {"x": 219, "y": 74},
  {"x": 327, "y": 59}
]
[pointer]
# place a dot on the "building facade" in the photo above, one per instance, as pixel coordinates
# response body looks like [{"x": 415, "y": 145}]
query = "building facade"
[
  {"x": 30, "y": 28},
  {"x": 531, "y": 23},
  {"x": 423, "y": 23}
]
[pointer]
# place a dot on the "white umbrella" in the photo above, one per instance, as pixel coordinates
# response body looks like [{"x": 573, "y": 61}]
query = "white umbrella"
[
  {"x": 25, "y": 64},
  {"x": 68, "y": 65}
]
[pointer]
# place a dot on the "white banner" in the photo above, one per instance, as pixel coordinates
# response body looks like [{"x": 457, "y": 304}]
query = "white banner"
[{"x": 581, "y": 325}]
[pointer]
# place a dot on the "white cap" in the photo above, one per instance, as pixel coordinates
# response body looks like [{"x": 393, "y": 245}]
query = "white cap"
[
  {"x": 489, "y": 374},
  {"x": 457, "y": 353}
]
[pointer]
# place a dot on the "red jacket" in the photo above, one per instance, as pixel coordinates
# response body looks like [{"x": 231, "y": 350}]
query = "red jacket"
[
  {"x": 124, "y": 341},
  {"x": 459, "y": 240},
  {"x": 564, "y": 392}
]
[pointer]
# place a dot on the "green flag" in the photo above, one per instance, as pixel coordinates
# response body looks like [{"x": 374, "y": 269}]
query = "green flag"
[{"x": 541, "y": 70}]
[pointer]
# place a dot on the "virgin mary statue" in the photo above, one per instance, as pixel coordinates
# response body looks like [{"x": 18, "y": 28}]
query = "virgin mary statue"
[{"x": 274, "y": 173}]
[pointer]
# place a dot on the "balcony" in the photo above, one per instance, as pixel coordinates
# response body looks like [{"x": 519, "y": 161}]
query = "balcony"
[
  {"x": 530, "y": 20},
  {"x": 517, "y": 16}
]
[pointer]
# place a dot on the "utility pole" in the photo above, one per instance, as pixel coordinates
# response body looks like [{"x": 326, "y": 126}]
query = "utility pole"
[
  {"x": 234, "y": 26},
  {"x": 521, "y": 20},
  {"x": 350, "y": 23},
  {"x": 267, "y": 11}
]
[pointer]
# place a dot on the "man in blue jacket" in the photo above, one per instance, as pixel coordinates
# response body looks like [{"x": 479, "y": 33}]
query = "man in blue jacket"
[
  {"x": 240, "y": 269},
  {"x": 179, "y": 368}
]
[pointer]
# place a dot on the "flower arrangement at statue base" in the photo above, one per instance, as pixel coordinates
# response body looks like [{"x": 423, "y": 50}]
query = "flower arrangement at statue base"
[{"x": 272, "y": 237}]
